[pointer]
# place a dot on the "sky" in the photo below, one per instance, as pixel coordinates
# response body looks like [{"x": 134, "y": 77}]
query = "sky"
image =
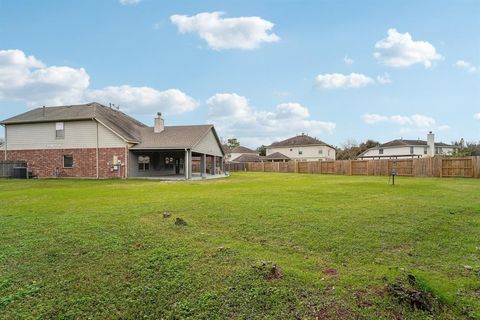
[{"x": 259, "y": 70}]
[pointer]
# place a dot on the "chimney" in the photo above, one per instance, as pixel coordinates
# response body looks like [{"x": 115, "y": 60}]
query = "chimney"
[
  {"x": 431, "y": 144},
  {"x": 159, "y": 125}
]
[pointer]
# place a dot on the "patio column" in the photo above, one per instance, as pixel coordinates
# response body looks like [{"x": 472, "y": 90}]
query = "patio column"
[
  {"x": 203, "y": 165},
  {"x": 222, "y": 164},
  {"x": 214, "y": 165},
  {"x": 185, "y": 165},
  {"x": 189, "y": 164}
]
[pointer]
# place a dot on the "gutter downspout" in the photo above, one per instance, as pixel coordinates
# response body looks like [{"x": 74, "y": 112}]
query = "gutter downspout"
[
  {"x": 97, "y": 152},
  {"x": 6, "y": 142},
  {"x": 185, "y": 166}
]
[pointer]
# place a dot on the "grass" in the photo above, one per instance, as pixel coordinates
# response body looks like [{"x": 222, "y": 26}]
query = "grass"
[{"x": 79, "y": 249}]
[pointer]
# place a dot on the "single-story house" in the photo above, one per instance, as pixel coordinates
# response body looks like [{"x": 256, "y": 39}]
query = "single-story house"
[
  {"x": 404, "y": 149},
  {"x": 233, "y": 153},
  {"x": 302, "y": 148},
  {"x": 95, "y": 141}
]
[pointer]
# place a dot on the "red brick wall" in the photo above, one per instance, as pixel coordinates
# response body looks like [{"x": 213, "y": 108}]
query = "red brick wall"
[{"x": 49, "y": 162}]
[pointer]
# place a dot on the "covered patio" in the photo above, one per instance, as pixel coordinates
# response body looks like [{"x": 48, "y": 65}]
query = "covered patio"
[{"x": 174, "y": 164}]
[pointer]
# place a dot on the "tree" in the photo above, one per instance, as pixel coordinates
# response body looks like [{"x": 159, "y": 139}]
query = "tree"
[
  {"x": 467, "y": 149},
  {"x": 262, "y": 150},
  {"x": 233, "y": 142},
  {"x": 351, "y": 149}
]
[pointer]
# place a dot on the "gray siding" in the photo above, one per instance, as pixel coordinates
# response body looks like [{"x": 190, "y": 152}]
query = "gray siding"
[
  {"x": 78, "y": 134},
  {"x": 209, "y": 145}
]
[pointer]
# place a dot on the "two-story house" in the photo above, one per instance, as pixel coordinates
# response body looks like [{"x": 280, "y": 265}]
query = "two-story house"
[
  {"x": 302, "y": 148},
  {"x": 95, "y": 141},
  {"x": 401, "y": 148}
]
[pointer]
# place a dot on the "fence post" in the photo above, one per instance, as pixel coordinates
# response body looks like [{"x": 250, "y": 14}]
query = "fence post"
[
  {"x": 296, "y": 166},
  {"x": 350, "y": 166},
  {"x": 263, "y": 166}
]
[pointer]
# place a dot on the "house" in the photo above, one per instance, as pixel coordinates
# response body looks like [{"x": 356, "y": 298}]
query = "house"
[
  {"x": 95, "y": 141},
  {"x": 400, "y": 148},
  {"x": 233, "y": 153},
  {"x": 302, "y": 148}
]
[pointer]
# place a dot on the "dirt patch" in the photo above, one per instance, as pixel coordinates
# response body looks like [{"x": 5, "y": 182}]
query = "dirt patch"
[
  {"x": 407, "y": 292},
  {"x": 180, "y": 222},
  {"x": 334, "y": 311},
  {"x": 330, "y": 272},
  {"x": 269, "y": 270}
]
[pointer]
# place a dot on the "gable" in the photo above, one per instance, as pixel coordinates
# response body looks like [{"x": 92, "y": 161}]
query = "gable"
[{"x": 209, "y": 145}]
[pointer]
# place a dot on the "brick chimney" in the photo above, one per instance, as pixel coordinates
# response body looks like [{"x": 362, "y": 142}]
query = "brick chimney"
[
  {"x": 159, "y": 124},
  {"x": 431, "y": 144}
]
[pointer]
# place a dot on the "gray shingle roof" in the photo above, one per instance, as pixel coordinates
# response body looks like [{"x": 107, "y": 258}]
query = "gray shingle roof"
[
  {"x": 173, "y": 137},
  {"x": 300, "y": 140},
  {"x": 402, "y": 142},
  {"x": 277, "y": 156},
  {"x": 126, "y": 126},
  {"x": 248, "y": 157},
  {"x": 241, "y": 149}
]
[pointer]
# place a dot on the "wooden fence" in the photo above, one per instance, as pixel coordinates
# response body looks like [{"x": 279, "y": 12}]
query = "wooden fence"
[{"x": 468, "y": 167}]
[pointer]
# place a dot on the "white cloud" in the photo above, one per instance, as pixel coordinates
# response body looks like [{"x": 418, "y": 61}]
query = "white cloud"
[
  {"x": 234, "y": 117},
  {"x": 145, "y": 99},
  {"x": 385, "y": 79},
  {"x": 466, "y": 66},
  {"x": 338, "y": 80},
  {"x": 129, "y": 2},
  {"x": 400, "y": 50},
  {"x": 348, "y": 60},
  {"x": 27, "y": 79},
  {"x": 476, "y": 116},
  {"x": 227, "y": 33},
  {"x": 416, "y": 120},
  {"x": 410, "y": 124}
]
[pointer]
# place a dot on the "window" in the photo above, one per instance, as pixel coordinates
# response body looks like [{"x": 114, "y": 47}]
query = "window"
[
  {"x": 59, "y": 130},
  {"x": 411, "y": 150},
  {"x": 291, "y": 149},
  {"x": 169, "y": 162},
  {"x": 143, "y": 163},
  {"x": 380, "y": 151},
  {"x": 440, "y": 150},
  {"x": 320, "y": 151},
  {"x": 300, "y": 152},
  {"x": 68, "y": 161},
  {"x": 425, "y": 150}
]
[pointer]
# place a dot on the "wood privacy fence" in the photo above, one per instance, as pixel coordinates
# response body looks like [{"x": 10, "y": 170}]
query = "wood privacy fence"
[{"x": 468, "y": 167}]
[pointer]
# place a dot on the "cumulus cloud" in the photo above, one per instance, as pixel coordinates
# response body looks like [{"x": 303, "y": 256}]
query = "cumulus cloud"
[
  {"x": 129, "y": 2},
  {"x": 476, "y": 116},
  {"x": 145, "y": 99},
  {"x": 410, "y": 124},
  {"x": 227, "y": 33},
  {"x": 234, "y": 117},
  {"x": 462, "y": 64},
  {"x": 385, "y": 79},
  {"x": 400, "y": 50},
  {"x": 416, "y": 120},
  {"x": 27, "y": 79},
  {"x": 348, "y": 60},
  {"x": 338, "y": 80}
]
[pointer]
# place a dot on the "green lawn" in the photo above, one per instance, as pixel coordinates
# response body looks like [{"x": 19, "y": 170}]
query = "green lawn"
[{"x": 78, "y": 249}]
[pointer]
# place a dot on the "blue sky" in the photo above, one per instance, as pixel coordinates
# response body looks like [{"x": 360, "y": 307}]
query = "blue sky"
[{"x": 259, "y": 70}]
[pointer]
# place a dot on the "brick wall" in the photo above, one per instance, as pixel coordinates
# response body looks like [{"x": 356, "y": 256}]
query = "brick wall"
[{"x": 49, "y": 162}]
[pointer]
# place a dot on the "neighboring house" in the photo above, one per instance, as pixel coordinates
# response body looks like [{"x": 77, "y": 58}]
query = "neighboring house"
[
  {"x": 233, "y": 153},
  {"x": 302, "y": 148},
  {"x": 95, "y": 141},
  {"x": 400, "y": 148}
]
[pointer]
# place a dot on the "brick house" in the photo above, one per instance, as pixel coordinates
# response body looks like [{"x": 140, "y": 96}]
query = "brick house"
[{"x": 95, "y": 141}]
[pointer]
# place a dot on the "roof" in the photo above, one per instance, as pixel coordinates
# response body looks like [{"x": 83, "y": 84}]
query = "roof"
[
  {"x": 240, "y": 149},
  {"x": 402, "y": 142},
  {"x": 247, "y": 158},
  {"x": 124, "y": 125},
  {"x": 225, "y": 148},
  {"x": 277, "y": 156},
  {"x": 172, "y": 137},
  {"x": 300, "y": 140},
  {"x": 406, "y": 143}
]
